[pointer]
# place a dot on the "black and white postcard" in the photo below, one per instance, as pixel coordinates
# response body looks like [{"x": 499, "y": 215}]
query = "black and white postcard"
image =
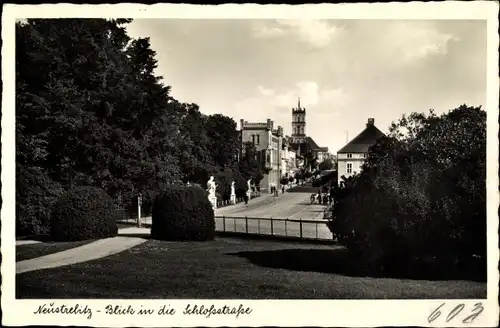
[{"x": 329, "y": 165}]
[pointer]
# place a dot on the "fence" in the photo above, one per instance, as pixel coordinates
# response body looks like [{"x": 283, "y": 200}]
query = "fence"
[{"x": 303, "y": 229}]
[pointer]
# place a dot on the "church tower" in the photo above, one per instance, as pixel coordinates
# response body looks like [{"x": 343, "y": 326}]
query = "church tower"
[{"x": 298, "y": 124}]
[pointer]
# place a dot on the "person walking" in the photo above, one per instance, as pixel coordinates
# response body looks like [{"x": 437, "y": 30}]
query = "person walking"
[{"x": 283, "y": 189}]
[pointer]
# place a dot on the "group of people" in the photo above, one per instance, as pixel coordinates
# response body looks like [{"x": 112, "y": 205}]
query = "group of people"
[
  {"x": 324, "y": 198},
  {"x": 274, "y": 189}
]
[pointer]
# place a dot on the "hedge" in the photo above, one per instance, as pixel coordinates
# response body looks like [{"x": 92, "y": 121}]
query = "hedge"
[
  {"x": 183, "y": 213},
  {"x": 83, "y": 213}
]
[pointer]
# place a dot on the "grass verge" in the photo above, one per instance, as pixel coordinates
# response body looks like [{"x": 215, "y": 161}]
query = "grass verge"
[
  {"x": 230, "y": 268},
  {"x": 31, "y": 251}
]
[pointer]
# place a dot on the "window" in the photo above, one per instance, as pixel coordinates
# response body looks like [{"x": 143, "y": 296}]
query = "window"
[
  {"x": 253, "y": 139},
  {"x": 258, "y": 139},
  {"x": 349, "y": 168},
  {"x": 349, "y": 155}
]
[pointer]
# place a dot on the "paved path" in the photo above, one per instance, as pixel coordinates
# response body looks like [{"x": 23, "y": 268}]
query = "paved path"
[
  {"x": 291, "y": 205},
  {"x": 95, "y": 250},
  {"x": 27, "y": 242}
]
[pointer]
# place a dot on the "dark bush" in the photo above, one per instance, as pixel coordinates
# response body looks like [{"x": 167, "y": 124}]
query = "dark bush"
[
  {"x": 421, "y": 199},
  {"x": 83, "y": 213},
  {"x": 183, "y": 213},
  {"x": 284, "y": 181},
  {"x": 326, "y": 178},
  {"x": 35, "y": 195}
]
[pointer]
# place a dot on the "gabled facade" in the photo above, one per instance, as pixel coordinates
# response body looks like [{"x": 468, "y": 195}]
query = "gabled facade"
[
  {"x": 268, "y": 142},
  {"x": 351, "y": 157}
]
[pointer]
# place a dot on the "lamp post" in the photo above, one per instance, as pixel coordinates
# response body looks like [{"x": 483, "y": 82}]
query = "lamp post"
[{"x": 139, "y": 204}]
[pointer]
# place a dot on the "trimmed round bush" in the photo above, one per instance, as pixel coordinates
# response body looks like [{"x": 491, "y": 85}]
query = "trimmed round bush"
[
  {"x": 183, "y": 213},
  {"x": 83, "y": 213}
]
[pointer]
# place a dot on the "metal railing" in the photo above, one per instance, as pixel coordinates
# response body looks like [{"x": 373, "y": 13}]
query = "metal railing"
[{"x": 303, "y": 229}]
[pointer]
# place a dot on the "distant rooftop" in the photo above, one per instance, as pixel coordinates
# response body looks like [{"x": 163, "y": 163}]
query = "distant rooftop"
[{"x": 363, "y": 141}]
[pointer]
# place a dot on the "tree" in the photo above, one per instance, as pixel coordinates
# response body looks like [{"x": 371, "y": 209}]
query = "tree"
[
  {"x": 421, "y": 194},
  {"x": 223, "y": 139},
  {"x": 89, "y": 109},
  {"x": 249, "y": 166},
  {"x": 326, "y": 164}
]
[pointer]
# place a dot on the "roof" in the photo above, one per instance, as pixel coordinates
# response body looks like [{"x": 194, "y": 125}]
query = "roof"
[
  {"x": 302, "y": 148},
  {"x": 360, "y": 144},
  {"x": 307, "y": 146}
]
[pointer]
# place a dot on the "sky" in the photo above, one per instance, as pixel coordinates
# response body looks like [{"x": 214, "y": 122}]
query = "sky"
[{"x": 344, "y": 71}]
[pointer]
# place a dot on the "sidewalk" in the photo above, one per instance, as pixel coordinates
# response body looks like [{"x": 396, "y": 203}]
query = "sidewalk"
[{"x": 95, "y": 250}]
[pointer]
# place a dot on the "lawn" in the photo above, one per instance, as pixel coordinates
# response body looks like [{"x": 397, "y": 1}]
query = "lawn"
[
  {"x": 231, "y": 268},
  {"x": 31, "y": 251}
]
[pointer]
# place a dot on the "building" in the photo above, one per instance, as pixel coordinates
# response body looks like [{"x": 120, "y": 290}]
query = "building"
[
  {"x": 268, "y": 142},
  {"x": 306, "y": 148},
  {"x": 322, "y": 154},
  {"x": 351, "y": 157},
  {"x": 288, "y": 158}
]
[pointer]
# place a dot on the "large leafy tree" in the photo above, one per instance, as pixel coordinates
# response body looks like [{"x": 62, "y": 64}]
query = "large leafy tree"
[
  {"x": 90, "y": 110},
  {"x": 223, "y": 136},
  {"x": 422, "y": 192}
]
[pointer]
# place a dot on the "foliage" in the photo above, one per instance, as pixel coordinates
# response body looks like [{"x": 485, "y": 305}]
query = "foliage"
[
  {"x": 421, "y": 195},
  {"x": 284, "y": 181},
  {"x": 326, "y": 164},
  {"x": 291, "y": 179},
  {"x": 90, "y": 111},
  {"x": 35, "y": 195},
  {"x": 182, "y": 213},
  {"x": 83, "y": 213},
  {"x": 325, "y": 179},
  {"x": 249, "y": 165}
]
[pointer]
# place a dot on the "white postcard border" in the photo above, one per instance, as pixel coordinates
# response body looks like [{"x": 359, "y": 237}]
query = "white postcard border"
[{"x": 340, "y": 313}]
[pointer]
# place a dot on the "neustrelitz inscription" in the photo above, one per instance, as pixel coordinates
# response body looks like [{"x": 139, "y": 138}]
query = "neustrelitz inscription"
[{"x": 112, "y": 309}]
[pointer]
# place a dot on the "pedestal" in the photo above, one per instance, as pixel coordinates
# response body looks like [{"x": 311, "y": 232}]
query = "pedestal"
[{"x": 233, "y": 199}]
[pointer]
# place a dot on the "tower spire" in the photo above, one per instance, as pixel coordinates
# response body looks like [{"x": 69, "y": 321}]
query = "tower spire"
[{"x": 299, "y": 103}]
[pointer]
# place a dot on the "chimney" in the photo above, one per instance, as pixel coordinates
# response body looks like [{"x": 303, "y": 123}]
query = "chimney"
[
  {"x": 242, "y": 124},
  {"x": 371, "y": 121}
]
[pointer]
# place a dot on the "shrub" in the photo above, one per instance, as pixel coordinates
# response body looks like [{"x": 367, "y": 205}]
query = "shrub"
[
  {"x": 284, "y": 181},
  {"x": 291, "y": 179},
  {"x": 183, "y": 213},
  {"x": 83, "y": 213},
  {"x": 35, "y": 195}
]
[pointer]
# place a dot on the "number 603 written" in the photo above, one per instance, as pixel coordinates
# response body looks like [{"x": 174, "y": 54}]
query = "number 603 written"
[{"x": 470, "y": 315}]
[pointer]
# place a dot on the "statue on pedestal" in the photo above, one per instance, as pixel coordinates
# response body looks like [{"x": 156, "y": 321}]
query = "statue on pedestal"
[
  {"x": 249, "y": 190},
  {"x": 211, "y": 186},
  {"x": 233, "y": 193}
]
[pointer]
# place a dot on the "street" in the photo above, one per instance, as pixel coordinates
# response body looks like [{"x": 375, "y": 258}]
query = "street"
[{"x": 255, "y": 217}]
